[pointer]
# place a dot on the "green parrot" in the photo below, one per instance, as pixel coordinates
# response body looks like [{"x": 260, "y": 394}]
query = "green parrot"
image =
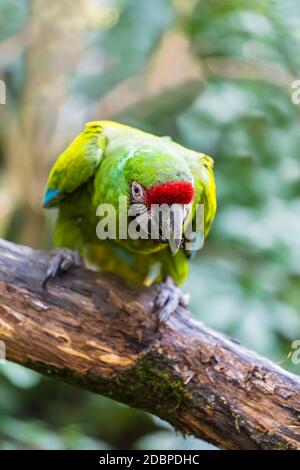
[{"x": 108, "y": 161}]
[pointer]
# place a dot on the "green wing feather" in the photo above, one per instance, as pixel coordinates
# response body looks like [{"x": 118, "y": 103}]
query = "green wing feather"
[{"x": 76, "y": 165}]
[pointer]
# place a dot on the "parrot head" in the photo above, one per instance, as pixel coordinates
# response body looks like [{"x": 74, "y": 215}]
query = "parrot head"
[
  {"x": 176, "y": 197},
  {"x": 162, "y": 180}
]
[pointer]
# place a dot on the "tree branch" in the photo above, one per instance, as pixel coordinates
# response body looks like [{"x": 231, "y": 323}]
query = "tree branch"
[{"x": 96, "y": 332}]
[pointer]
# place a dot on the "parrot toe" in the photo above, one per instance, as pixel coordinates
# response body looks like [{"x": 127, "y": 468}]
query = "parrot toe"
[
  {"x": 168, "y": 299},
  {"x": 63, "y": 260}
]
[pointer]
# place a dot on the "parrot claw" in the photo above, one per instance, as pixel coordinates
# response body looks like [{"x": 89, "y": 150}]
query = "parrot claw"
[
  {"x": 168, "y": 299},
  {"x": 63, "y": 260}
]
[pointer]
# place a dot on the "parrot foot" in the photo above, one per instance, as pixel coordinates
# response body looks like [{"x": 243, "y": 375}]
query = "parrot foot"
[
  {"x": 168, "y": 299},
  {"x": 63, "y": 260}
]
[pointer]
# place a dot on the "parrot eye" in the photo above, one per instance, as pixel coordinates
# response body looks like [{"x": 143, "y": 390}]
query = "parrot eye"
[{"x": 137, "y": 191}]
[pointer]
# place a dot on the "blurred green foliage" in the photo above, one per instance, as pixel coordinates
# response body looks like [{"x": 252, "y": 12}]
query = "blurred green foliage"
[
  {"x": 233, "y": 101},
  {"x": 128, "y": 45},
  {"x": 13, "y": 15}
]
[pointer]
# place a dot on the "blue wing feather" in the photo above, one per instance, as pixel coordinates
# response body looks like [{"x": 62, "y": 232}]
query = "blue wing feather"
[{"x": 50, "y": 196}]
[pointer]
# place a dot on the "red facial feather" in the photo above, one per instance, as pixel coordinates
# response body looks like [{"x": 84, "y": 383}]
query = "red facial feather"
[{"x": 175, "y": 192}]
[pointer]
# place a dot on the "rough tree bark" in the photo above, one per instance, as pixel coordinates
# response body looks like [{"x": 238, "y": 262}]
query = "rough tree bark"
[{"x": 96, "y": 332}]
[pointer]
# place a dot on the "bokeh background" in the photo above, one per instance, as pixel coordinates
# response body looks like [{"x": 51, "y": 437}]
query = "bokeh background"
[{"x": 217, "y": 76}]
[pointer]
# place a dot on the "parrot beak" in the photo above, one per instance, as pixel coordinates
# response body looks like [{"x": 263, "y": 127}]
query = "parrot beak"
[
  {"x": 178, "y": 216},
  {"x": 171, "y": 224}
]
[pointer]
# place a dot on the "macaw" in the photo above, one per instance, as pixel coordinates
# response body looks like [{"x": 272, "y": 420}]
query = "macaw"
[{"x": 107, "y": 161}]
